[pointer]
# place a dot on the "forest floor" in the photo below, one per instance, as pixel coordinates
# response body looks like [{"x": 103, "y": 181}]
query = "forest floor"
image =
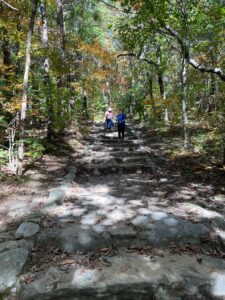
[{"x": 103, "y": 218}]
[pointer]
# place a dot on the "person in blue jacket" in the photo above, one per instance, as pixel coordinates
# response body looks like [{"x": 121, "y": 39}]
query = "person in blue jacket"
[{"x": 121, "y": 119}]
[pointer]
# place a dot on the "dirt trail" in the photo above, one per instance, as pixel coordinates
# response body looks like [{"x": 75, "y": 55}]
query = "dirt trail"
[{"x": 121, "y": 221}]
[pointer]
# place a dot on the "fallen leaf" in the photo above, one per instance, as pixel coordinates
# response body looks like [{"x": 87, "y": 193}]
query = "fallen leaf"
[{"x": 67, "y": 262}]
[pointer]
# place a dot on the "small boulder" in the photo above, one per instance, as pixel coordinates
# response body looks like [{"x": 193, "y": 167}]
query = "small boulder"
[
  {"x": 57, "y": 196},
  {"x": 27, "y": 229}
]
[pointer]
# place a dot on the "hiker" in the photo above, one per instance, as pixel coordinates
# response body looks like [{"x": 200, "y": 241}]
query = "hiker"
[
  {"x": 109, "y": 116},
  {"x": 121, "y": 118}
]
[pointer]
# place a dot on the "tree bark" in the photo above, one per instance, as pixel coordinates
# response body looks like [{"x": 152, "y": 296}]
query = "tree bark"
[{"x": 25, "y": 90}]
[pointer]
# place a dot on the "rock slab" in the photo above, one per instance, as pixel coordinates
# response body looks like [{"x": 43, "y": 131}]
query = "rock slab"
[
  {"x": 134, "y": 277},
  {"x": 75, "y": 238},
  {"x": 160, "y": 229},
  {"x": 11, "y": 264}
]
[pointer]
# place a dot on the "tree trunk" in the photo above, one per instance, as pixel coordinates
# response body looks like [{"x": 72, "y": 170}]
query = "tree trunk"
[
  {"x": 211, "y": 96},
  {"x": 184, "y": 91},
  {"x": 150, "y": 85},
  {"x": 161, "y": 82},
  {"x": 46, "y": 65},
  {"x": 25, "y": 90},
  {"x": 61, "y": 35},
  {"x": 85, "y": 105},
  {"x": 6, "y": 50},
  {"x": 6, "y": 55},
  {"x": 61, "y": 45},
  {"x": 6, "y": 62},
  {"x": 163, "y": 95},
  {"x": 18, "y": 63},
  {"x": 60, "y": 24}
]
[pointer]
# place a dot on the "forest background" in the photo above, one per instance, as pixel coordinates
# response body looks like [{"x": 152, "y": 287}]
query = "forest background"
[{"x": 63, "y": 62}]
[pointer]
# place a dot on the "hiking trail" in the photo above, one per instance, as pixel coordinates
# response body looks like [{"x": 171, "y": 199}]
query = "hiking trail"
[{"x": 117, "y": 221}]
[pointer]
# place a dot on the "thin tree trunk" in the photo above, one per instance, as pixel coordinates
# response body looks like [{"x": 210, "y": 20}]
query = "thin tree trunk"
[
  {"x": 184, "y": 69},
  {"x": 61, "y": 35},
  {"x": 6, "y": 62},
  {"x": 85, "y": 104},
  {"x": 45, "y": 44},
  {"x": 18, "y": 64},
  {"x": 150, "y": 85},
  {"x": 61, "y": 45},
  {"x": 184, "y": 91},
  {"x": 212, "y": 103},
  {"x": 60, "y": 24},
  {"x": 6, "y": 50},
  {"x": 25, "y": 90},
  {"x": 161, "y": 82},
  {"x": 163, "y": 94}
]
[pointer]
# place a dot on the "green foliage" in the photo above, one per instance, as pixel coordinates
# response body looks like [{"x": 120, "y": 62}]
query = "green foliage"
[
  {"x": 3, "y": 157},
  {"x": 3, "y": 122},
  {"x": 34, "y": 148}
]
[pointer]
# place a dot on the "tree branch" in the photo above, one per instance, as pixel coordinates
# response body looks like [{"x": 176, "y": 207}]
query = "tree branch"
[
  {"x": 126, "y": 54},
  {"x": 138, "y": 56},
  {"x": 111, "y": 6},
  {"x": 8, "y": 5},
  {"x": 3, "y": 147},
  {"x": 218, "y": 71}
]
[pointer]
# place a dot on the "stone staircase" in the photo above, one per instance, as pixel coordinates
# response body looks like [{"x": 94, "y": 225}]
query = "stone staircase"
[{"x": 112, "y": 237}]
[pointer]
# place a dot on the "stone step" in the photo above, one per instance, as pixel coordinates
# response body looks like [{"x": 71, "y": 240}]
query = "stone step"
[
  {"x": 116, "y": 140},
  {"x": 102, "y": 169},
  {"x": 132, "y": 277},
  {"x": 120, "y": 154},
  {"x": 112, "y": 159},
  {"x": 115, "y": 137},
  {"x": 118, "y": 143},
  {"x": 117, "y": 147},
  {"x": 157, "y": 229}
]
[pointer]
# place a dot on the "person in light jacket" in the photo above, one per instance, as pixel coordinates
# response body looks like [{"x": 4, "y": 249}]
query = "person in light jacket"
[{"x": 109, "y": 116}]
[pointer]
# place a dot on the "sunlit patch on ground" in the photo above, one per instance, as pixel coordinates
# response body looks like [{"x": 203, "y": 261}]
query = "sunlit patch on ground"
[{"x": 218, "y": 285}]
